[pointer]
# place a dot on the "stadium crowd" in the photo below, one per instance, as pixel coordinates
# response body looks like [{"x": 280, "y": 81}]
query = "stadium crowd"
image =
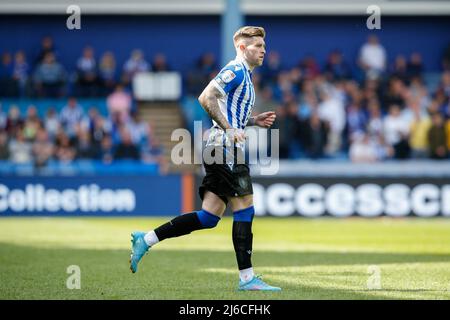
[
  {"x": 370, "y": 113},
  {"x": 376, "y": 112},
  {"x": 73, "y": 134}
]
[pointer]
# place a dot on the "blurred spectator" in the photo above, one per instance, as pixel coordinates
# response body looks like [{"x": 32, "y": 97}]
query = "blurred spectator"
[
  {"x": 20, "y": 149},
  {"x": 293, "y": 124},
  {"x": 32, "y": 124},
  {"x": 2, "y": 119},
  {"x": 336, "y": 68},
  {"x": 372, "y": 58},
  {"x": 65, "y": 151},
  {"x": 51, "y": 122},
  {"x": 71, "y": 115},
  {"x": 6, "y": 67},
  {"x": 309, "y": 67},
  {"x": 375, "y": 121},
  {"x": 153, "y": 152},
  {"x": 332, "y": 111},
  {"x": 271, "y": 68},
  {"x": 8, "y": 86},
  {"x": 159, "y": 63},
  {"x": 371, "y": 90},
  {"x": 119, "y": 103},
  {"x": 126, "y": 149},
  {"x": 434, "y": 107},
  {"x": 100, "y": 129},
  {"x": 47, "y": 46},
  {"x": 256, "y": 79},
  {"x": 315, "y": 136},
  {"x": 356, "y": 116},
  {"x": 418, "y": 138},
  {"x": 116, "y": 126},
  {"x": 21, "y": 72},
  {"x": 138, "y": 129},
  {"x": 415, "y": 66},
  {"x": 396, "y": 130},
  {"x": 88, "y": 121},
  {"x": 207, "y": 64},
  {"x": 363, "y": 148},
  {"x": 296, "y": 77},
  {"x": 419, "y": 92},
  {"x": 136, "y": 63},
  {"x": 107, "y": 72},
  {"x": 384, "y": 150},
  {"x": 50, "y": 77},
  {"x": 400, "y": 69},
  {"x": 446, "y": 58},
  {"x": 437, "y": 137},
  {"x": 284, "y": 88},
  {"x": 264, "y": 101},
  {"x": 87, "y": 74},
  {"x": 447, "y": 133},
  {"x": 444, "y": 85},
  {"x": 307, "y": 105},
  {"x": 43, "y": 148},
  {"x": 85, "y": 148},
  {"x": 106, "y": 149},
  {"x": 288, "y": 123},
  {"x": 14, "y": 122},
  {"x": 395, "y": 94},
  {"x": 198, "y": 78},
  {"x": 308, "y": 96},
  {"x": 279, "y": 124},
  {"x": 447, "y": 110},
  {"x": 4, "y": 149}
]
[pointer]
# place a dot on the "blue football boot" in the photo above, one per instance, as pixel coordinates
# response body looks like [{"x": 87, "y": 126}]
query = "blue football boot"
[
  {"x": 138, "y": 249},
  {"x": 256, "y": 284}
]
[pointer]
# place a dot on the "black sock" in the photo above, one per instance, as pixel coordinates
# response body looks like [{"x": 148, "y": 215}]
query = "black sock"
[
  {"x": 179, "y": 226},
  {"x": 242, "y": 241},
  {"x": 186, "y": 223}
]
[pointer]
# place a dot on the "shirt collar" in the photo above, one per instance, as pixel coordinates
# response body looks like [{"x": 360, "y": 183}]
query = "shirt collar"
[{"x": 244, "y": 62}]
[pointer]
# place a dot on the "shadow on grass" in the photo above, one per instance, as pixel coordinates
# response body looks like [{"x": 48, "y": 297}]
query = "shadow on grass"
[
  {"x": 336, "y": 258},
  {"x": 41, "y": 273}
]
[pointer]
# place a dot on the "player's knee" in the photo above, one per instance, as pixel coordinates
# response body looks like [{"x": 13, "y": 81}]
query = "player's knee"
[
  {"x": 244, "y": 215},
  {"x": 207, "y": 219}
]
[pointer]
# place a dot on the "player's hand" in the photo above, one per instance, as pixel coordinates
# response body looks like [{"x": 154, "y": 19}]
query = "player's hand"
[{"x": 265, "y": 119}]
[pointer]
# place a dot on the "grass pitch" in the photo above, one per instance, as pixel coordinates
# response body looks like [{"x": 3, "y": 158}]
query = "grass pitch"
[{"x": 310, "y": 259}]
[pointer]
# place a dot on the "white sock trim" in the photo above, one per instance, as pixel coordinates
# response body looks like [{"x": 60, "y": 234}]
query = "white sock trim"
[
  {"x": 150, "y": 238},
  {"x": 246, "y": 274}
]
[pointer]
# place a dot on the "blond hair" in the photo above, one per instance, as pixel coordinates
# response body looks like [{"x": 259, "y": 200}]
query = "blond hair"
[{"x": 248, "y": 32}]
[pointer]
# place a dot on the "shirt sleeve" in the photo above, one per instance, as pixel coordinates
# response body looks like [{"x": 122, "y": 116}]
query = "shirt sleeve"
[{"x": 228, "y": 78}]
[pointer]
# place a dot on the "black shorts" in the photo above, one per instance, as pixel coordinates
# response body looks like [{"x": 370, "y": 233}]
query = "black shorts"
[{"x": 226, "y": 181}]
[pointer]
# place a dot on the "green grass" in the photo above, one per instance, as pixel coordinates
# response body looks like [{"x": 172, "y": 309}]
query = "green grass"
[{"x": 309, "y": 259}]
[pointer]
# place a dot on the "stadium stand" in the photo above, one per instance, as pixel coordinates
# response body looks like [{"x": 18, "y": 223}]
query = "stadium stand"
[{"x": 380, "y": 106}]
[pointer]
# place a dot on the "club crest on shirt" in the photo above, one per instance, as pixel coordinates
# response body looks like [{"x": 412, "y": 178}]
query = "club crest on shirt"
[{"x": 227, "y": 76}]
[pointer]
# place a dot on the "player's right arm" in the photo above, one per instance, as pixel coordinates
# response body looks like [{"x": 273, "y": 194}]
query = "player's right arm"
[
  {"x": 209, "y": 101},
  {"x": 229, "y": 78}
]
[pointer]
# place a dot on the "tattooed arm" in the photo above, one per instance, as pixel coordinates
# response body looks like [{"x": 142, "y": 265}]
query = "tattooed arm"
[{"x": 208, "y": 100}]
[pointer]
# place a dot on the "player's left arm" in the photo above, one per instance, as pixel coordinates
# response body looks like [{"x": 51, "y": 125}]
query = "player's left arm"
[{"x": 264, "y": 120}]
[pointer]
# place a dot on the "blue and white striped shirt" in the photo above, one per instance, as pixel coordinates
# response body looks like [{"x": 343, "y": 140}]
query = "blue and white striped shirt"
[{"x": 234, "y": 81}]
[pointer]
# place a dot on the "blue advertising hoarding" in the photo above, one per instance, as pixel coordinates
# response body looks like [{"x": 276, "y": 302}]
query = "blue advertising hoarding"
[{"x": 93, "y": 196}]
